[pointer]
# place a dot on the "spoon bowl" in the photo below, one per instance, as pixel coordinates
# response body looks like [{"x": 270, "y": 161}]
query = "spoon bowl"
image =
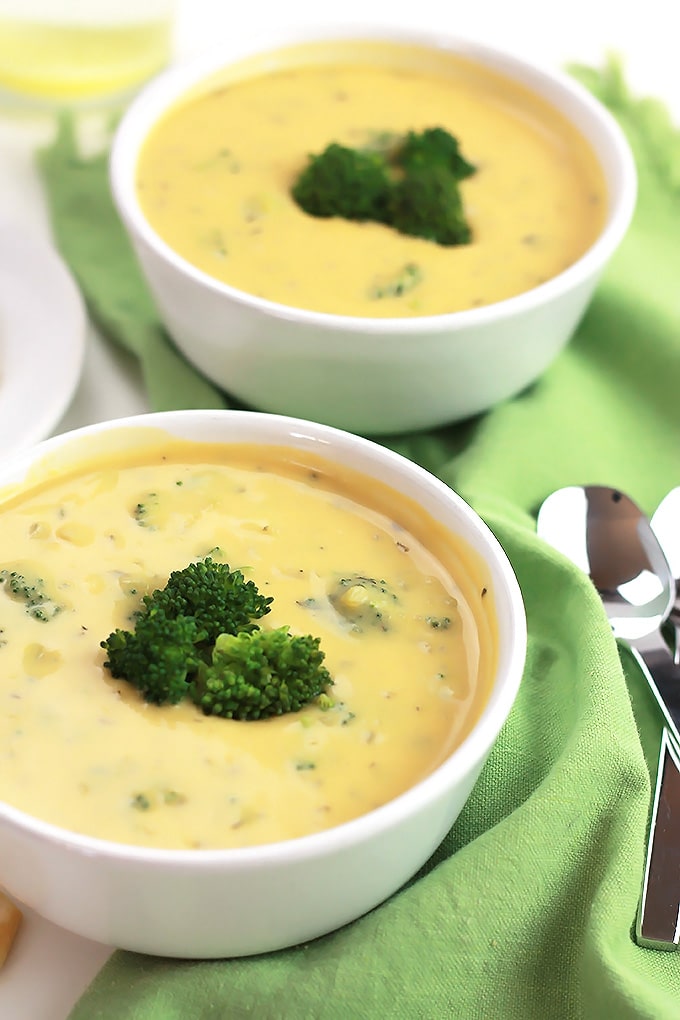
[
  {"x": 606, "y": 534},
  {"x": 666, "y": 526}
]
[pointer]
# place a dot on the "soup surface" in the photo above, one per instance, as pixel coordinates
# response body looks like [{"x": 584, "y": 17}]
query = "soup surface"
[
  {"x": 83, "y": 750},
  {"x": 214, "y": 181}
]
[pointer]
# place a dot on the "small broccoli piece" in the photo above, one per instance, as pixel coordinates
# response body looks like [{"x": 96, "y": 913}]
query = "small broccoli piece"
[
  {"x": 140, "y": 802},
  {"x": 364, "y": 601},
  {"x": 260, "y": 673},
  {"x": 158, "y": 657},
  {"x": 428, "y": 204},
  {"x": 39, "y": 605},
  {"x": 351, "y": 183},
  {"x": 144, "y": 510},
  {"x": 432, "y": 147},
  {"x": 408, "y": 277},
  {"x": 218, "y": 598},
  {"x": 438, "y": 622}
]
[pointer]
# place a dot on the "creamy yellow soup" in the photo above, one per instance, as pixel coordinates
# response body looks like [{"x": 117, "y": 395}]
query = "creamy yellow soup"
[
  {"x": 215, "y": 175},
  {"x": 82, "y": 750}
]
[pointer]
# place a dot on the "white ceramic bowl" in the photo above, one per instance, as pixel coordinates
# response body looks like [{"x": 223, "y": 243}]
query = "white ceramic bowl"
[
  {"x": 373, "y": 376},
  {"x": 217, "y": 903}
]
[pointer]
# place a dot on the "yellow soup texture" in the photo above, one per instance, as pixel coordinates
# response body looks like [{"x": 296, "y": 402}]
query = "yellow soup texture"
[
  {"x": 83, "y": 750},
  {"x": 214, "y": 181}
]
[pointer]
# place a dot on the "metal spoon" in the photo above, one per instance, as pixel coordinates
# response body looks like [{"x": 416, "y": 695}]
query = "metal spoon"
[
  {"x": 607, "y": 535},
  {"x": 666, "y": 526}
]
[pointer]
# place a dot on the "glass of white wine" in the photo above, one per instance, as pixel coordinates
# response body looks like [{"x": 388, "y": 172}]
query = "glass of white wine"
[{"x": 61, "y": 52}]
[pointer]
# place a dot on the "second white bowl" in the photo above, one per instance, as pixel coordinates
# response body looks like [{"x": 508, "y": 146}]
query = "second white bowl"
[{"x": 373, "y": 376}]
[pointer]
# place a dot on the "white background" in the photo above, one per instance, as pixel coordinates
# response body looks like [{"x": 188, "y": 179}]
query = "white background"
[{"x": 48, "y": 968}]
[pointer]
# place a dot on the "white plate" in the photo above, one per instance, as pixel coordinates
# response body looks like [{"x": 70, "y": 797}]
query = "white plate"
[
  {"x": 47, "y": 971},
  {"x": 43, "y": 326}
]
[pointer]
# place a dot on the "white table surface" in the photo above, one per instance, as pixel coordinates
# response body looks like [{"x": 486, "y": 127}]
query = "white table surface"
[{"x": 49, "y": 968}]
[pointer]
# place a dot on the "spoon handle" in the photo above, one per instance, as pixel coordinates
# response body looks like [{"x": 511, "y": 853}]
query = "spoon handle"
[
  {"x": 658, "y": 921},
  {"x": 663, "y": 676}
]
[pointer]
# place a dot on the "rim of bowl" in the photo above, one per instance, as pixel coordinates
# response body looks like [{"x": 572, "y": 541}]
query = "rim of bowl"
[
  {"x": 289, "y": 431},
  {"x": 556, "y": 87}
]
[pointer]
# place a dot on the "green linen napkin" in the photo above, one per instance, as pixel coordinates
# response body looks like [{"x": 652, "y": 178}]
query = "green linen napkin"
[{"x": 527, "y": 909}]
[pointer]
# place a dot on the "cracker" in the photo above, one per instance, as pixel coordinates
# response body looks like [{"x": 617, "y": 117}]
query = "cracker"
[{"x": 10, "y": 919}]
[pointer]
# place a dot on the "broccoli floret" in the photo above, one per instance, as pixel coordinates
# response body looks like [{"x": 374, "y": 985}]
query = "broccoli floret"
[
  {"x": 433, "y": 147},
  {"x": 260, "y": 673},
  {"x": 218, "y": 598},
  {"x": 350, "y": 183},
  {"x": 197, "y": 638},
  {"x": 408, "y": 277},
  {"x": 157, "y": 657},
  {"x": 364, "y": 601},
  {"x": 408, "y": 183},
  {"x": 39, "y": 605},
  {"x": 428, "y": 204}
]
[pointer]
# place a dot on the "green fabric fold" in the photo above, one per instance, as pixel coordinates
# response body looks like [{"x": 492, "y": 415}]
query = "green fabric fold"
[
  {"x": 92, "y": 240},
  {"x": 527, "y": 909}
]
